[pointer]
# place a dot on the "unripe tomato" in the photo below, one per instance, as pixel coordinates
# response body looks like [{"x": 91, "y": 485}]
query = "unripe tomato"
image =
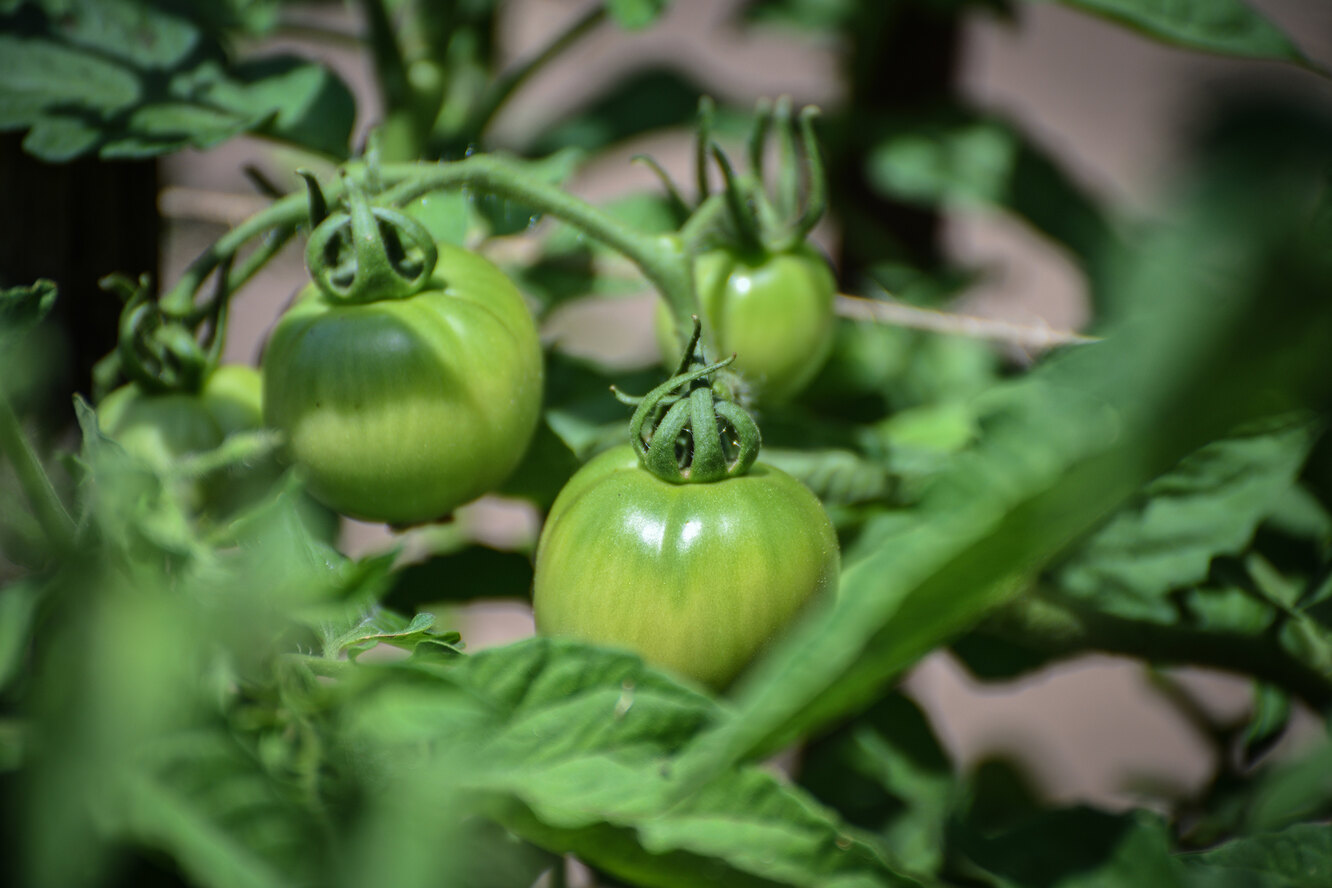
[
  {"x": 399, "y": 410},
  {"x": 773, "y": 311},
  {"x": 163, "y": 428},
  {"x": 694, "y": 577}
]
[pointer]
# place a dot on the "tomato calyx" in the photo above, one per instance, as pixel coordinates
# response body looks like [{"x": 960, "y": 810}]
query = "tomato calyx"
[
  {"x": 367, "y": 253},
  {"x": 685, "y": 431},
  {"x": 157, "y": 350}
]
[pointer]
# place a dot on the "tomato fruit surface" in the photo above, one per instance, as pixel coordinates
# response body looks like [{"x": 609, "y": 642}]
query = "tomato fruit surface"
[
  {"x": 773, "y": 311},
  {"x": 694, "y": 577},
  {"x": 399, "y": 410}
]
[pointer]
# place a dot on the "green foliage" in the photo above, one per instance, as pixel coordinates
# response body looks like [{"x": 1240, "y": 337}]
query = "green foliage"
[{"x": 134, "y": 79}]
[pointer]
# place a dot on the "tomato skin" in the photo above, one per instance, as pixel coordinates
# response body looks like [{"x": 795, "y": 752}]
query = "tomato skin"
[
  {"x": 694, "y": 577},
  {"x": 773, "y": 311},
  {"x": 400, "y": 410}
]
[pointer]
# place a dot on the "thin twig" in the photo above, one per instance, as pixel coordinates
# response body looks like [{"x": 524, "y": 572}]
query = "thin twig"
[{"x": 900, "y": 314}]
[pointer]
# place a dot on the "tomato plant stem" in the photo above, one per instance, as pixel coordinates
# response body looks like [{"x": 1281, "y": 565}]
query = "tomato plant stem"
[{"x": 662, "y": 258}]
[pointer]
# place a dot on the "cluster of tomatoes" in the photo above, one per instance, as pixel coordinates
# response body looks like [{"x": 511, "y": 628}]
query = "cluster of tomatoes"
[{"x": 399, "y": 406}]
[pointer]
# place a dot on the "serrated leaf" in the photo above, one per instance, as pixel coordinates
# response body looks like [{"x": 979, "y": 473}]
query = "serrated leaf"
[
  {"x": 145, "y": 34},
  {"x": 1167, "y": 536},
  {"x": 1299, "y": 856},
  {"x": 382, "y": 626},
  {"x": 1230, "y": 27},
  {"x": 580, "y": 754},
  {"x": 41, "y": 74}
]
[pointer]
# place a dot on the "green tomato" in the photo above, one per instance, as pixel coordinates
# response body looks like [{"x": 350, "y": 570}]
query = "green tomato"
[
  {"x": 163, "y": 428},
  {"x": 401, "y": 410},
  {"x": 694, "y": 577},
  {"x": 773, "y": 311}
]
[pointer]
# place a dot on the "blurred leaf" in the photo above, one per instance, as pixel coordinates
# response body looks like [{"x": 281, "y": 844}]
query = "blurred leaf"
[
  {"x": 636, "y": 14},
  {"x": 18, "y": 606},
  {"x": 1167, "y": 535},
  {"x": 839, "y": 477},
  {"x": 1077, "y": 848},
  {"x": 631, "y": 105},
  {"x": 885, "y": 772},
  {"x": 1299, "y": 856},
  {"x": 22, "y": 308},
  {"x": 1267, "y": 725},
  {"x": 956, "y": 158},
  {"x": 1229, "y": 27},
  {"x": 134, "y": 79}
]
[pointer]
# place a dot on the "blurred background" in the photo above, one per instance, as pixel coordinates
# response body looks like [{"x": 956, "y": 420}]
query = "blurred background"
[{"x": 1115, "y": 108}]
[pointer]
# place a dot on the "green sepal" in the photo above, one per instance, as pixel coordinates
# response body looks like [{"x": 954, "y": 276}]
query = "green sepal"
[
  {"x": 369, "y": 253},
  {"x": 677, "y": 427}
]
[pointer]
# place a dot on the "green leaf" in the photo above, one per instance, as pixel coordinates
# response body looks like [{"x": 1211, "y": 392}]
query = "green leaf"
[
  {"x": 1299, "y": 856},
  {"x": 578, "y": 758},
  {"x": 1166, "y": 537},
  {"x": 298, "y": 101},
  {"x": 956, "y": 158},
  {"x": 18, "y": 606},
  {"x": 1229, "y": 27},
  {"x": 886, "y": 772},
  {"x": 133, "y": 79},
  {"x": 39, "y": 75},
  {"x": 634, "y": 15},
  {"x": 382, "y": 626},
  {"x": 838, "y": 477},
  {"x": 1267, "y": 725},
  {"x": 646, "y": 101}
]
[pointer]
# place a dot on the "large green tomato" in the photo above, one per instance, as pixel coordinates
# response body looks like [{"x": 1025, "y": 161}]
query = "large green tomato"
[
  {"x": 694, "y": 577},
  {"x": 400, "y": 410},
  {"x": 773, "y": 311}
]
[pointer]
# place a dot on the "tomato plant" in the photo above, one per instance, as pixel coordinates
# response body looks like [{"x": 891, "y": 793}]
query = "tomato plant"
[
  {"x": 399, "y": 408},
  {"x": 203, "y": 683},
  {"x": 773, "y": 311}
]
